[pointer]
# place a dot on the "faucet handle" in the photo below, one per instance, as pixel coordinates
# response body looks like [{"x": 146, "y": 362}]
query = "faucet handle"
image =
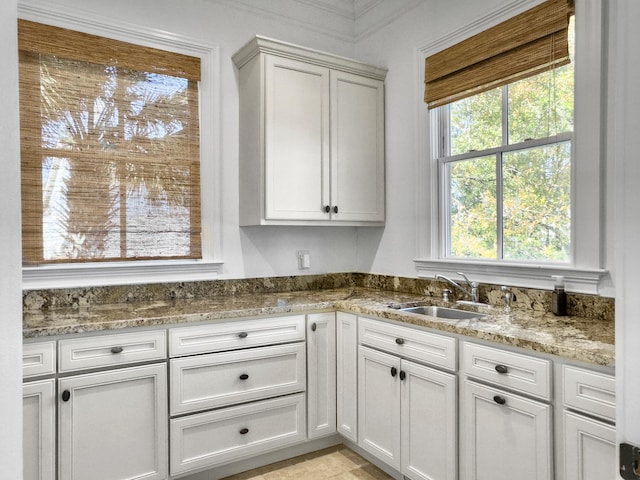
[
  {"x": 508, "y": 296},
  {"x": 466, "y": 279}
]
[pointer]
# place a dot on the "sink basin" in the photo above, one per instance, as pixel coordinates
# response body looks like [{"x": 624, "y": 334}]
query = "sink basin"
[{"x": 443, "y": 312}]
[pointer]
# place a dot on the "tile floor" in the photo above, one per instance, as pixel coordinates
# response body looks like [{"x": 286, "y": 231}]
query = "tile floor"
[{"x": 335, "y": 463}]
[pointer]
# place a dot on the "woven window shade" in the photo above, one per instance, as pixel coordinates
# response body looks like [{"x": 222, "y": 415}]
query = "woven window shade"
[
  {"x": 523, "y": 46},
  {"x": 109, "y": 149}
]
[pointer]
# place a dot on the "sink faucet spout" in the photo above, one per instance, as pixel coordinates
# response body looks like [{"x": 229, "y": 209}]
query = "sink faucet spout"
[{"x": 472, "y": 292}]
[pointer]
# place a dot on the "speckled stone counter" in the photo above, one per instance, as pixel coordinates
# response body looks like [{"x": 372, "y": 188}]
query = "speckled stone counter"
[{"x": 579, "y": 338}]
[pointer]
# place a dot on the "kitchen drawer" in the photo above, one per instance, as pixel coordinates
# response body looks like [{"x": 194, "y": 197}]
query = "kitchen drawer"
[
  {"x": 431, "y": 348},
  {"x": 212, "y": 438},
  {"x": 233, "y": 335},
  {"x": 219, "y": 379},
  {"x": 111, "y": 350},
  {"x": 521, "y": 373},
  {"x": 38, "y": 359},
  {"x": 589, "y": 392}
]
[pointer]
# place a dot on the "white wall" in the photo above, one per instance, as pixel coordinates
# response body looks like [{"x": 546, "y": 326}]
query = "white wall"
[
  {"x": 10, "y": 292},
  {"x": 624, "y": 104}
]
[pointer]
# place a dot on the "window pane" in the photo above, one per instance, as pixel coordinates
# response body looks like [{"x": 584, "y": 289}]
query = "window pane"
[
  {"x": 472, "y": 208},
  {"x": 476, "y": 122},
  {"x": 537, "y": 203},
  {"x": 542, "y": 106}
]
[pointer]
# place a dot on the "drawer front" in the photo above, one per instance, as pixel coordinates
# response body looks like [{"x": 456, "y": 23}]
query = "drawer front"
[
  {"x": 219, "y": 379},
  {"x": 111, "y": 350},
  {"x": 590, "y": 392},
  {"x": 38, "y": 359},
  {"x": 212, "y": 438},
  {"x": 407, "y": 342},
  {"x": 521, "y": 373},
  {"x": 234, "y": 335}
]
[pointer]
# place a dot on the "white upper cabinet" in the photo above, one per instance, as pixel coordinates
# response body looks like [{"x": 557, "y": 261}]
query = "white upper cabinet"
[{"x": 311, "y": 137}]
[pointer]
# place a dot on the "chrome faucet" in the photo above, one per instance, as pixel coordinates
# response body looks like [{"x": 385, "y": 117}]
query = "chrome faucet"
[{"x": 472, "y": 292}]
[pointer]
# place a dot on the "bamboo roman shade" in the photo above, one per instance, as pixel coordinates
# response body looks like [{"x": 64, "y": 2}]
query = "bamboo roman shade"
[
  {"x": 523, "y": 46},
  {"x": 110, "y": 150}
]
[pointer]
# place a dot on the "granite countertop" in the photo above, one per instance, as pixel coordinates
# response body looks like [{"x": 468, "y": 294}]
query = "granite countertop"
[{"x": 576, "y": 338}]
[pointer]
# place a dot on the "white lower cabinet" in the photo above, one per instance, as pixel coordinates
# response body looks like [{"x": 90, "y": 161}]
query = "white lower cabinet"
[
  {"x": 590, "y": 448},
  {"x": 504, "y": 433},
  {"x": 321, "y": 374},
  {"x": 347, "y": 375},
  {"x": 113, "y": 425},
  {"x": 407, "y": 415},
  {"x": 38, "y": 430},
  {"x": 238, "y": 388},
  {"x": 220, "y": 436},
  {"x": 588, "y": 416}
]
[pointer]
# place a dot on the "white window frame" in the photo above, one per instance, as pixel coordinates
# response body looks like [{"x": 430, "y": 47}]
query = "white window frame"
[
  {"x": 119, "y": 273},
  {"x": 585, "y": 271}
]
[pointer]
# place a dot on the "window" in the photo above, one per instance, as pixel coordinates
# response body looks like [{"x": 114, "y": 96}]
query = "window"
[
  {"x": 581, "y": 263},
  {"x": 110, "y": 149},
  {"x": 505, "y": 169}
]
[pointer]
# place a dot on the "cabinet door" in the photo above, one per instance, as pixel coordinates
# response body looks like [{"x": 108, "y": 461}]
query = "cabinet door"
[
  {"x": 428, "y": 423},
  {"x": 590, "y": 448},
  {"x": 347, "y": 375},
  {"x": 357, "y": 148},
  {"x": 321, "y": 377},
  {"x": 506, "y": 436},
  {"x": 379, "y": 405},
  {"x": 38, "y": 430},
  {"x": 296, "y": 140},
  {"x": 113, "y": 425}
]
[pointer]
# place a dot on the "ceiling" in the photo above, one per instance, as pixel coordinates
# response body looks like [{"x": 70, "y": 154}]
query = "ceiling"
[{"x": 351, "y": 20}]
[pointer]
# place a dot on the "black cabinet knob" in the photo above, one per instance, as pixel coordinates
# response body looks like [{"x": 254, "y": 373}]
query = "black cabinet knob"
[
  {"x": 116, "y": 349},
  {"x": 243, "y": 335},
  {"x": 400, "y": 341},
  {"x": 502, "y": 369},
  {"x": 244, "y": 376},
  {"x": 335, "y": 209},
  {"x": 327, "y": 208},
  {"x": 313, "y": 327},
  {"x": 499, "y": 400},
  {"x": 244, "y": 431},
  {"x": 403, "y": 374},
  {"x": 394, "y": 371},
  {"x": 66, "y": 395}
]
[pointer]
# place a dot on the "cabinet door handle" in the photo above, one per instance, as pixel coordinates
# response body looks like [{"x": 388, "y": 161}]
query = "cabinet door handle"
[
  {"x": 313, "y": 327},
  {"x": 499, "y": 400},
  {"x": 327, "y": 208},
  {"x": 244, "y": 431},
  {"x": 394, "y": 371},
  {"x": 335, "y": 209},
  {"x": 116, "y": 349},
  {"x": 66, "y": 395},
  {"x": 403, "y": 374},
  {"x": 502, "y": 369},
  {"x": 243, "y": 335},
  {"x": 400, "y": 341},
  {"x": 244, "y": 376}
]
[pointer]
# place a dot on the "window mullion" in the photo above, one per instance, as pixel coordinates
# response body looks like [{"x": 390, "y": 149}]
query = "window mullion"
[{"x": 499, "y": 208}]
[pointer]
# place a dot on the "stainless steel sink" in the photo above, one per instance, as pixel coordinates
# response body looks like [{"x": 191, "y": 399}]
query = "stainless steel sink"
[{"x": 443, "y": 312}]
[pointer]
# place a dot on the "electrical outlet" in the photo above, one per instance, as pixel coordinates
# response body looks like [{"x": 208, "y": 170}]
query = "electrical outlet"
[{"x": 304, "y": 260}]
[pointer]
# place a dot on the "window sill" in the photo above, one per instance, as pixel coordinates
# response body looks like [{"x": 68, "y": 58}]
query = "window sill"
[
  {"x": 577, "y": 280},
  {"x": 121, "y": 273}
]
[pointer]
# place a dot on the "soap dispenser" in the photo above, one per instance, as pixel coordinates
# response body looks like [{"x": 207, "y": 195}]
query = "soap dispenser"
[{"x": 559, "y": 296}]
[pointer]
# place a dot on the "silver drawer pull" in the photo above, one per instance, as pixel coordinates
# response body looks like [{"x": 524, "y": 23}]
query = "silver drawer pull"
[{"x": 116, "y": 349}]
